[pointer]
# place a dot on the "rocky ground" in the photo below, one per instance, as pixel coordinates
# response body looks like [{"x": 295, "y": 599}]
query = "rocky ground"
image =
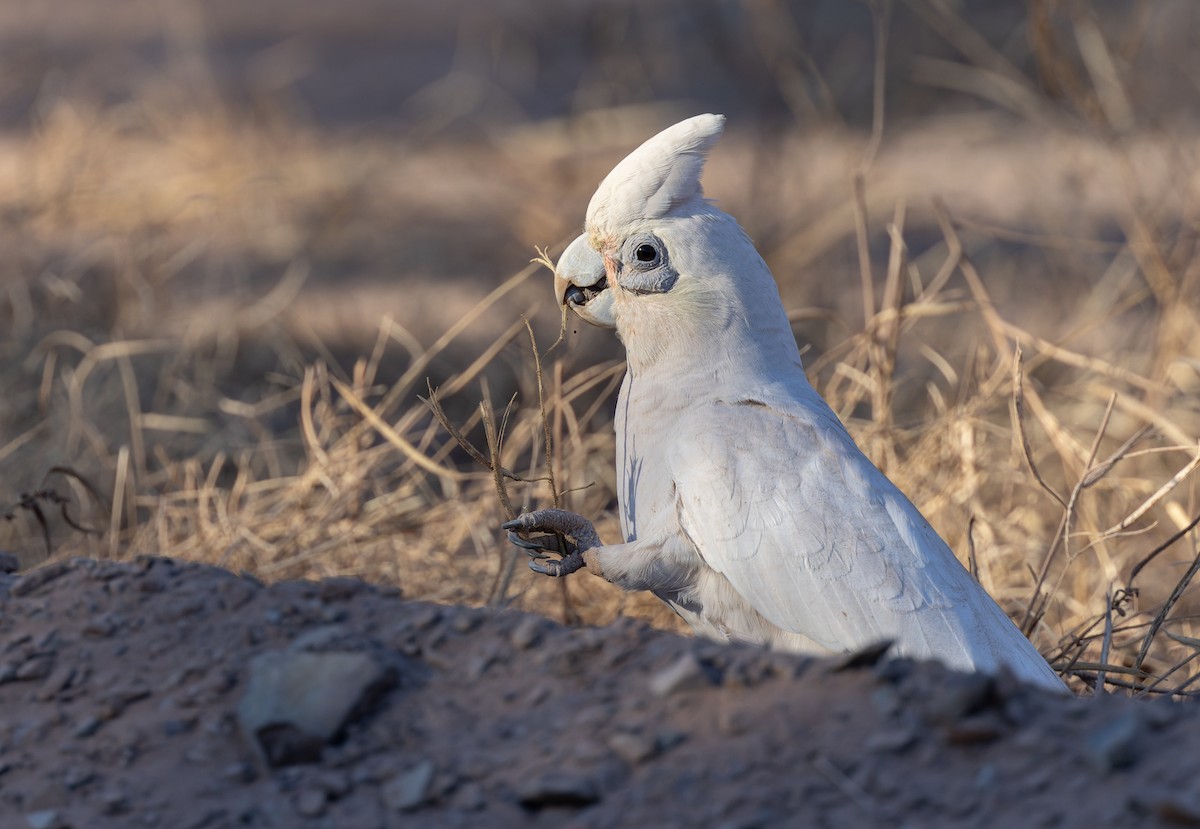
[{"x": 162, "y": 694}]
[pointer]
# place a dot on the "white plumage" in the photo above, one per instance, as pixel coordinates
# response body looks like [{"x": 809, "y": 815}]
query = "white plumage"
[{"x": 744, "y": 503}]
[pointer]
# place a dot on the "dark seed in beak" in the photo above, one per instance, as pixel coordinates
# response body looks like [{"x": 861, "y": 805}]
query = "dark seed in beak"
[
  {"x": 575, "y": 296},
  {"x": 582, "y": 296}
]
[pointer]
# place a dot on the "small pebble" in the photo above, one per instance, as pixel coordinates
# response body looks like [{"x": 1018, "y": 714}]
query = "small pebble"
[
  {"x": 311, "y": 803},
  {"x": 561, "y": 789},
  {"x": 88, "y": 726},
  {"x": 633, "y": 748},
  {"x": 464, "y": 622},
  {"x": 34, "y": 580},
  {"x": 893, "y": 740},
  {"x": 425, "y": 617},
  {"x": 470, "y": 797},
  {"x": 1113, "y": 745},
  {"x": 101, "y": 627},
  {"x": 45, "y": 819},
  {"x": 36, "y": 667},
  {"x": 115, "y": 801},
  {"x": 685, "y": 673},
  {"x": 527, "y": 633},
  {"x": 335, "y": 784},
  {"x": 667, "y": 738},
  {"x": 174, "y": 727},
  {"x": 408, "y": 790},
  {"x": 78, "y": 776},
  {"x": 239, "y": 773}
]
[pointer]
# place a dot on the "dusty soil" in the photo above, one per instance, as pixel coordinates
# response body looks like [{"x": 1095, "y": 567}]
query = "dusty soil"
[{"x": 157, "y": 693}]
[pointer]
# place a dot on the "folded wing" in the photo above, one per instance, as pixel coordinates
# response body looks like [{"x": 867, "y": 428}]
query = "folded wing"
[{"x": 779, "y": 499}]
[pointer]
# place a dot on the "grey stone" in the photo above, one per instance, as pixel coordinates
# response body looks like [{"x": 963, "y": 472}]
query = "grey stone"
[
  {"x": 1113, "y": 745},
  {"x": 633, "y": 748},
  {"x": 34, "y": 580},
  {"x": 667, "y": 738},
  {"x": 296, "y": 702},
  {"x": 409, "y": 789},
  {"x": 59, "y": 680},
  {"x": 77, "y": 776},
  {"x": 36, "y": 667},
  {"x": 311, "y": 803},
  {"x": 886, "y": 701},
  {"x": 176, "y": 726},
  {"x": 45, "y": 819},
  {"x": 114, "y": 800},
  {"x": 527, "y": 633},
  {"x": 322, "y": 638},
  {"x": 88, "y": 726},
  {"x": 9, "y": 563},
  {"x": 425, "y": 617},
  {"x": 464, "y": 621},
  {"x": 561, "y": 789},
  {"x": 239, "y": 773},
  {"x": 892, "y": 740},
  {"x": 685, "y": 673},
  {"x": 335, "y": 784},
  {"x": 470, "y": 797}
]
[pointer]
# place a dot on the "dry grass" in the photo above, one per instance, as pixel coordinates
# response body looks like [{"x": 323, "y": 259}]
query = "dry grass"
[{"x": 173, "y": 339}]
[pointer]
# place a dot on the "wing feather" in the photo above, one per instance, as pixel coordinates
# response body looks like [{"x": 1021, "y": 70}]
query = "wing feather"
[{"x": 780, "y": 500}]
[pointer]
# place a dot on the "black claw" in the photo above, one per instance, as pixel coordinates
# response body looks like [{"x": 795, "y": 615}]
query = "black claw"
[
  {"x": 524, "y": 543},
  {"x": 537, "y": 542},
  {"x": 515, "y": 524},
  {"x": 534, "y": 547},
  {"x": 549, "y": 568}
]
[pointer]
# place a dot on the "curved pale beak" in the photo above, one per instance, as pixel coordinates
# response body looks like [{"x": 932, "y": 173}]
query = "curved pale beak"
[{"x": 580, "y": 283}]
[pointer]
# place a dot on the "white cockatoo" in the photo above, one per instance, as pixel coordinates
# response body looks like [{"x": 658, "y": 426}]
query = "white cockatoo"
[{"x": 744, "y": 503}]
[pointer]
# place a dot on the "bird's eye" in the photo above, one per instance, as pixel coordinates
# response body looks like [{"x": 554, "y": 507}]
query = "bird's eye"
[{"x": 645, "y": 253}]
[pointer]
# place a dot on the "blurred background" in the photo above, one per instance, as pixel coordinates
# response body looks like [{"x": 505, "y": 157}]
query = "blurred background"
[{"x": 240, "y": 237}]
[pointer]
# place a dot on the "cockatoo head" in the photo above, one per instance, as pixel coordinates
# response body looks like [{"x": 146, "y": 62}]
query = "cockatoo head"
[
  {"x": 662, "y": 265},
  {"x": 651, "y": 182}
]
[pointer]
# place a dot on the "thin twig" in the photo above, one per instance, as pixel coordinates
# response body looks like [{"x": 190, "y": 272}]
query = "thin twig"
[
  {"x": 1018, "y": 418},
  {"x": 568, "y": 611},
  {"x": 1161, "y": 616},
  {"x": 881, "y": 14},
  {"x": 1149, "y": 557},
  {"x": 1158, "y": 495},
  {"x": 435, "y": 406},
  {"x": 1107, "y": 641}
]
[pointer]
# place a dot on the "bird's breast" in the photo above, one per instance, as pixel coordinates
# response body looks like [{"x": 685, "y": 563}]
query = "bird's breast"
[{"x": 645, "y": 435}]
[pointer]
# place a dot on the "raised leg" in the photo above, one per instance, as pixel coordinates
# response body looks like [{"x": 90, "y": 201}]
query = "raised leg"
[{"x": 641, "y": 564}]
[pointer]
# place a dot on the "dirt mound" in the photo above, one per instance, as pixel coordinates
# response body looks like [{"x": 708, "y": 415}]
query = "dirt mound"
[{"x": 165, "y": 694}]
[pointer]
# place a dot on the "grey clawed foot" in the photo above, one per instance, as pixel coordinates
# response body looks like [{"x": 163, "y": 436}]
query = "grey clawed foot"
[
  {"x": 558, "y": 568},
  {"x": 541, "y": 547}
]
